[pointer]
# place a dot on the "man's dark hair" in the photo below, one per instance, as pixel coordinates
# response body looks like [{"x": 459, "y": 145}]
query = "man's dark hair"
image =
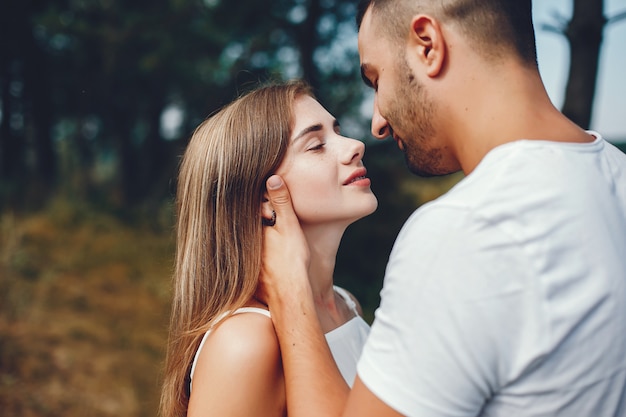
[
  {"x": 360, "y": 11},
  {"x": 495, "y": 26}
]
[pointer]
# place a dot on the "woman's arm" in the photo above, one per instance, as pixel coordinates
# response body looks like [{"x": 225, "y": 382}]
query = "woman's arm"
[{"x": 239, "y": 371}]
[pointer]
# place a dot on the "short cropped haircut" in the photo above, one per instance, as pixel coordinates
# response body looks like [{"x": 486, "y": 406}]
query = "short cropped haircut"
[{"x": 496, "y": 27}]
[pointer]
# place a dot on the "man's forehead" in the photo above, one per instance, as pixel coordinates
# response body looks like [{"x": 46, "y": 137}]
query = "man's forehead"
[
  {"x": 364, "y": 36},
  {"x": 366, "y": 22},
  {"x": 363, "y": 57}
]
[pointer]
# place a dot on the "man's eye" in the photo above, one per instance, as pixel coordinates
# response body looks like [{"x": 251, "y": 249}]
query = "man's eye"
[{"x": 317, "y": 147}]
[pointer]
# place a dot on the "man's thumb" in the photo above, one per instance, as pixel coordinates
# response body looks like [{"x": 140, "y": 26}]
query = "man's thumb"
[{"x": 278, "y": 194}]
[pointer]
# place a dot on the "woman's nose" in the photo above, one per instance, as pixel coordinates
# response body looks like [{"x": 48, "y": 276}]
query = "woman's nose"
[{"x": 354, "y": 150}]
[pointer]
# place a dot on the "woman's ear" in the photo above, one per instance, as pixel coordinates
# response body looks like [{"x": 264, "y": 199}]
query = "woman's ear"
[
  {"x": 426, "y": 43},
  {"x": 267, "y": 211}
]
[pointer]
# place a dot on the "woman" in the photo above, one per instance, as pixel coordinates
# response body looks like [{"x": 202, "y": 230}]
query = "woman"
[{"x": 223, "y": 356}]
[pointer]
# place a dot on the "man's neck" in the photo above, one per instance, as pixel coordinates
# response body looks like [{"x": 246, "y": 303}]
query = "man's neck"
[{"x": 506, "y": 105}]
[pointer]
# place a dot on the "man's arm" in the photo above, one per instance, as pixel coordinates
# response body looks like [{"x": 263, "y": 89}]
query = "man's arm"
[
  {"x": 314, "y": 384},
  {"x": 363, "y": 403}
]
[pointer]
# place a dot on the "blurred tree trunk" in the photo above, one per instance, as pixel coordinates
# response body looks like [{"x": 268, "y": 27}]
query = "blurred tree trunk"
[
  {"x": 12, "y": 15},
  {"x": 584, "y": 34},
  {"x": 154, "y": 150},
  {"x": 308, "y": 42},
  {"x": 129, "y": 164},
  {"x": 37, "y": 90},
  {"x": 27, "y": 159},
  {"x": 10, "y": 141}
]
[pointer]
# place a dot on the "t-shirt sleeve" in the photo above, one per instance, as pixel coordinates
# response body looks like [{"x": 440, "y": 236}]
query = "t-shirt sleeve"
[{"x": 451, "y": 316}]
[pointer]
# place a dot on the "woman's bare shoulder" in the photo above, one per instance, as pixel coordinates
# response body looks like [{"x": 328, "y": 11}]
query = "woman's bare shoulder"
[
  {"x": 230, "y": 336},
  {"x": 240, "y": 359}
]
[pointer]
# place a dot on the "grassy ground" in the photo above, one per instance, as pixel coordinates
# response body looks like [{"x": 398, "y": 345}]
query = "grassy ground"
[{"x": 84, "y": 304}]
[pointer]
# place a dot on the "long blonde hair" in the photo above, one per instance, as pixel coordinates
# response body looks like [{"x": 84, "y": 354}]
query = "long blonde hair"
[{"x": 219, "y": 231}]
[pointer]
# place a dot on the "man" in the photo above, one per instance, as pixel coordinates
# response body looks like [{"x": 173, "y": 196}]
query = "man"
[{"x": 507, "y": 295}]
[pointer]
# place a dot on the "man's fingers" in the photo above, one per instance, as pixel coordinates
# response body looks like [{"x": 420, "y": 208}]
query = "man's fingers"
[
  {"x": 285, "y": 250},
  {"x": 285, "y": 238},
  {"x": 279, "y": 197}
]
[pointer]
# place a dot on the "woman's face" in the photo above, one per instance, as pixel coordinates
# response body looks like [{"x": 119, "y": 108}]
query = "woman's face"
[{"x": 323, "y": 170}]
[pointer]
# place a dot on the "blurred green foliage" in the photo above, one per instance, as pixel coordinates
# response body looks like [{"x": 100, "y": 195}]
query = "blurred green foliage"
[{"x": 86, "y": 83}]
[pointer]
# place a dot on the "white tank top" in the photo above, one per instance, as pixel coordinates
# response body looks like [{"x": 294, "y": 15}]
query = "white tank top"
[{"x": 346, "y": 341}]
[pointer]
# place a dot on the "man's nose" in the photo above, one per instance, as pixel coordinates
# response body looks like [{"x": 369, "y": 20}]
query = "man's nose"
[{"x": 380, "y": 127}]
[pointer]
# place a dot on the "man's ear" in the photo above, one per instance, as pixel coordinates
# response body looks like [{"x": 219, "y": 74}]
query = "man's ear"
[{"x": 426, "y": 43}]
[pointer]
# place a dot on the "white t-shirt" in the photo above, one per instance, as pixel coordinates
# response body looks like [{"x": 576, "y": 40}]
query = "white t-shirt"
[{"x": 507, "y": 295}]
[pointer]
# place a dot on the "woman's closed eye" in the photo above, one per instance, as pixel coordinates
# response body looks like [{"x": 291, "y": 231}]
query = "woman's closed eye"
[{"x": 317, "y": 147}]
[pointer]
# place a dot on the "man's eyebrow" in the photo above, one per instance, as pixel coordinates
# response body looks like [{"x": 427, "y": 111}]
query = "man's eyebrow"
[{"x": 364, "y": 68}]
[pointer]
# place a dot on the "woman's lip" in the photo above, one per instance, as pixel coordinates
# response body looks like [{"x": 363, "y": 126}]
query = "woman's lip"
[
  {"x": 361, "y": 182},
  {"x": 358, "y": 175}
]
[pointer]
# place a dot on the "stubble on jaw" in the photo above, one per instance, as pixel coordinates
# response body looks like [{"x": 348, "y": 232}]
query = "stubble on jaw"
[{"x": 412, "y": 111}]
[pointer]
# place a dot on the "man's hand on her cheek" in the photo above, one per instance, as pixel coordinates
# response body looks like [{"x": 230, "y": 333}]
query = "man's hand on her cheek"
[{"x": 285, "y": 257}]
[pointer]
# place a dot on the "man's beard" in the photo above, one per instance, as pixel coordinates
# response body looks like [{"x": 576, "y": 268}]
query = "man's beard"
[{"x": 412, "y": 112}]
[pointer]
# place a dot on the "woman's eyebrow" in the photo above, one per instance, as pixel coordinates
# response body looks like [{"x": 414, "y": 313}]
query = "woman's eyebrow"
[{"x": 313, "y": 128}]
